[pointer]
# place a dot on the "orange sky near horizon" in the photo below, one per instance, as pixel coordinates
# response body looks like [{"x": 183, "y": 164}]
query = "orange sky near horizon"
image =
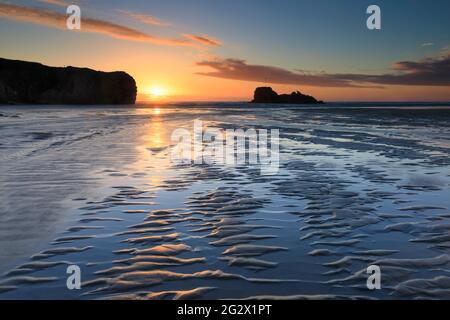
[
  {"x": 176, "y": 76},
  {"x": 179, "y": 81}
]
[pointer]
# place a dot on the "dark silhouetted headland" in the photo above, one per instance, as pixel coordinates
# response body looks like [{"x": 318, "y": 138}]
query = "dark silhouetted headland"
[
  {"x": 34, "y": 83},
  {"x": 267, "y": 95}
]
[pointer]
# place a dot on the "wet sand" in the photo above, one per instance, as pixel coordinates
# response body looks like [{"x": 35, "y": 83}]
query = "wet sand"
[{"x": 95, "y": 187}]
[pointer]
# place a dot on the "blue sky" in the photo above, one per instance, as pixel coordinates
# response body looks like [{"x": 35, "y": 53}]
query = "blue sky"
[{"x": 324, "y": 34}]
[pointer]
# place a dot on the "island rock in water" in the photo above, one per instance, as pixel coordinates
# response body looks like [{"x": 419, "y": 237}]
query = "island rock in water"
[
  {"x": 267, "y": 95},
  {"x": 33, "y": 83}
]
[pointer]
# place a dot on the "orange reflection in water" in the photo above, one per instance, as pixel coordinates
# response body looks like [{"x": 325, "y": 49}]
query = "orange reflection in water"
[
  {"x": 156, "y": 136},
  {"x": 154, "y": 144}
]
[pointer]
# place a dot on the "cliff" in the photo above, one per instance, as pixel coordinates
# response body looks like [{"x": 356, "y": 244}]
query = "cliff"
[
  {"x": 267, "y": 95},
  {"x": 33, "y": 83}
]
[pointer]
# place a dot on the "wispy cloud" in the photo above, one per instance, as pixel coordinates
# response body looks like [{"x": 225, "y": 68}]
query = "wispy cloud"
[
  {"x": 60, "y": 3},
  {"x": 204, "y": 39},
  {"x": 426, "y": 72},
  {"x": 427, "y": 44},
  {"x": 145, "y": 18},
  {"x": 237, "y": 69},
  {"x": 58, "y": 20},
  {"x": 433, "y": 71}
]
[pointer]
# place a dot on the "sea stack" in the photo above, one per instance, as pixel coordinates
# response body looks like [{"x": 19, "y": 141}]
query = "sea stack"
[
  {"x": 24, "y": 82},
  {"x": 268, "y": 95}
]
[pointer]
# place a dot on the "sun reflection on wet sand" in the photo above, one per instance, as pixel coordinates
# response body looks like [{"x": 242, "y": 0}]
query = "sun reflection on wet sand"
[{"x": 153, "y": 145}]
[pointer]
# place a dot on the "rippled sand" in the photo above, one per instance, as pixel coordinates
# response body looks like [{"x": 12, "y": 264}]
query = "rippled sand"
[{"x": 95, "y": 187}]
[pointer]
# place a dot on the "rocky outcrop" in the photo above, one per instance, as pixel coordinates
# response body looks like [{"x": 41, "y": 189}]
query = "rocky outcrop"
[
  {"x": 33, "y": 83},
  {"x": 267, "y": 95}
]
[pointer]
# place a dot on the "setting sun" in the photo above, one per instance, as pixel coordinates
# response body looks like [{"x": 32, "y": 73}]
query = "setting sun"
[{"x": 157, "y": 92}]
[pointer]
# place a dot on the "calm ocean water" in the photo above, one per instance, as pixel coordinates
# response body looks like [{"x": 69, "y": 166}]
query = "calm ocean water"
[{"x": 359, "y": 184}]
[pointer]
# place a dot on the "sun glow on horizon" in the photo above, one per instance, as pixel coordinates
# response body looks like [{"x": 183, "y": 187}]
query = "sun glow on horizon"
[{"x": 156, "y": 92}]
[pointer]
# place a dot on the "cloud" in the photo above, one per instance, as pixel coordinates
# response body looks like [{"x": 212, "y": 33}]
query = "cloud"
[
  {"x": 57, "y": 20},
  {"x": 60, "y": 3},
  {"x": 425, "y": 72},
  {"x": 145, "y": 18},
  {"x": 237, "y": 69},
  {"x": 446, "y": 48},
  {"x": 204, "y": 39}
]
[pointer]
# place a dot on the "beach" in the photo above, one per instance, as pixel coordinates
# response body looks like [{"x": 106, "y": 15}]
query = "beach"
[{"x": 357, "y": 185}]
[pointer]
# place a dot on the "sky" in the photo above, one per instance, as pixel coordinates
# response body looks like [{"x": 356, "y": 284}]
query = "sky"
[{"x": 186, "y": 50}]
